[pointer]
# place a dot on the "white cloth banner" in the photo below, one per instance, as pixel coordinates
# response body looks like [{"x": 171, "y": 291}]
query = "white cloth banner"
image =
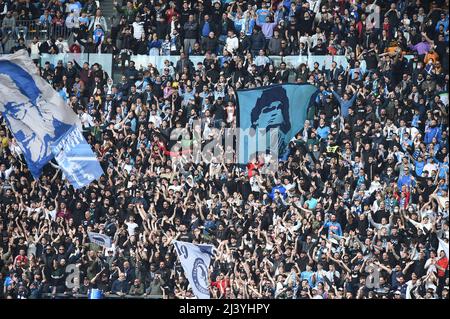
[
  {"x": 443, "y": 246},
  {"x": 100, "y": 239},
  {"x": 195, "y": 260}
]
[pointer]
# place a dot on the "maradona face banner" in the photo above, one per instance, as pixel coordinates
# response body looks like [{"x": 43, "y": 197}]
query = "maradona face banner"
[{"x": 280, "y": 108}]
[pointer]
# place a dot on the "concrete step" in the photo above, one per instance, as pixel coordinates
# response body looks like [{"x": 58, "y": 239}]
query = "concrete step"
[{"x": 107, "y": 7}]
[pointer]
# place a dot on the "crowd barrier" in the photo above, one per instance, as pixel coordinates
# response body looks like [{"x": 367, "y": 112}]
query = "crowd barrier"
[
  {"x": 85, "y": 296},
  {"x": 104, "y": 59},
  {"x": 28, "y": 29},
  {"x": 291, "y": 61},
  {"x": 142, "y": 61}
]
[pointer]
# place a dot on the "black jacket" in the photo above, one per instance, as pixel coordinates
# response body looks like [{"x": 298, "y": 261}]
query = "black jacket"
[
  {"x": 191, "y": 30},
  {"x": 210, "y": 44}
]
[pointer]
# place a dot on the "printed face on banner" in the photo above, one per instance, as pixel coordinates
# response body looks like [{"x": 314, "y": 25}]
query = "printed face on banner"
[
  {"x": 27, "y": 115},
  {"x": 269, "y": 117},
  {"x": 272, "y": 111}
]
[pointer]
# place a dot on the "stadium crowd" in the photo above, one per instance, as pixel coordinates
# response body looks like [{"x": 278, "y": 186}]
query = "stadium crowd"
[{"x": 358, "y": 210}]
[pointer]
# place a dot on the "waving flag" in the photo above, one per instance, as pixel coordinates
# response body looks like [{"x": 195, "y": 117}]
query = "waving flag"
[
  {"x": 443, "y": 246},
  {"x": 195, "y": 260},
  {"x": 100, "y": 239},
  {"x": 35, "y": 113},
  {"x": 76, "y": 158},
  {"x": 282, "y": 107}
]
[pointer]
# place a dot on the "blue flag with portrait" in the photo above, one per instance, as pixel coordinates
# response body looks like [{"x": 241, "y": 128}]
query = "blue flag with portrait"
[
  {"x": 34, "y": 112},
  {"x": 41, "y": 122},
  {"x": 282, "y": 107}
]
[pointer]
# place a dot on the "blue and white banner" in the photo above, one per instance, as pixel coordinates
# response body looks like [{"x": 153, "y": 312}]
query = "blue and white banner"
[
  {"x": 195, "y": 260},
  {"x": 281, "y": 107},
  {"x": 34, "y": 112},
  {"x": 76, "y": 158},
  {"x": 100, "y": 239}
]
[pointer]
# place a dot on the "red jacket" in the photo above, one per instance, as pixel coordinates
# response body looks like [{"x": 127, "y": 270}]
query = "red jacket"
[
  {"x": 443, "y": 263},
  {"x": 166, "y": 152},
  {"x": 75, "y": 48},
  {"x": 221, "y": 285},
  {"x": 251, "y": 167}
]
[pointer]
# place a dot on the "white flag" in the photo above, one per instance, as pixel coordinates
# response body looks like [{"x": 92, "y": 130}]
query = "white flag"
[
  {"x": 35, "y": 113},
  {"x": 443, "y": 246},
  {"x": 100, "y": 239},
  {"x": 195, "y": 260}
]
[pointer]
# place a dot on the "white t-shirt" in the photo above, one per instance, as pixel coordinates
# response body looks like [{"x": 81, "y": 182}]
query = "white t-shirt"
[
  {"x": 232, "y": 44},
  {"x": 131, "y": 227},
  {"x": 34, "y": 49},
  {"x": 156, "y": 119},
  {"x": 86, "y": 120},
  {"x": 15, "y": 149},
  {"x": 429, "y": 167},
  {"x": 254, "y": 184},
  {"x": 175, "y": 188},
  {"x": 51, "y": 214},
  {"x": 33, "y": 210},
  {"x": 63, "y": 46},
  {"x": 127, "y": 167},
  {"x": 138, "y": 29}
]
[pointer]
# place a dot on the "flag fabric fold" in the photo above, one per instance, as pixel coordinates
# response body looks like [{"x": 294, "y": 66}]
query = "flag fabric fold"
[
  {"x": 443, "y": 246},
  {"x": 195, "y": 260},
  {"x": 76, "y": 158},
  {"x": 100, "y": 239}
]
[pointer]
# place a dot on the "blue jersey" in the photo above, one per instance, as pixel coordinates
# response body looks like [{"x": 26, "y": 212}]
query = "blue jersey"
[
  {"x": 419, "y": 167},
  {"x": 279, "y": 188},
  {"x": 262, "y": 14},
  {"x": 307, "y": 275},
  {"x": 443, "y": 169},
  {"x": 333, "y": 228}
]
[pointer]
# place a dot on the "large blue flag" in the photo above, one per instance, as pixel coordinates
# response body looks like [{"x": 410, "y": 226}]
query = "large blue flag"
[
  {"x": 282, "y": 107},
  {"x": 34, "y": 112}
]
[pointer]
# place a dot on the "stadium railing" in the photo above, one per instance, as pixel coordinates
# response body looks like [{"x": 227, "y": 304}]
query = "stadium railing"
[
  {"x": 106, "y": 296},
  {"x": 108, "y": 61},
  {"x": 28, "y": 29}
]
